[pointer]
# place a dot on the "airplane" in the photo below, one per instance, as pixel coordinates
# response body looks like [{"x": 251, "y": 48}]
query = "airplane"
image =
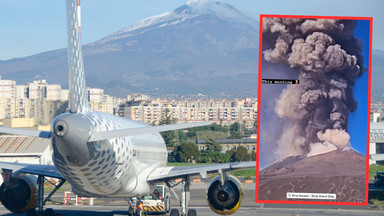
[{"x": 102, "y": 155}]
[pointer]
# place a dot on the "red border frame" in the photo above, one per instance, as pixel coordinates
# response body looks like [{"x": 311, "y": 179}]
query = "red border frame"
[{"x": 368, "y": 114}]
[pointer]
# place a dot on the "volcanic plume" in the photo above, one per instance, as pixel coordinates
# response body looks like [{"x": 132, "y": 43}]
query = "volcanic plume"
[
  {"x": 303, "y": 127},
  {"x": 326, "y": 57}
]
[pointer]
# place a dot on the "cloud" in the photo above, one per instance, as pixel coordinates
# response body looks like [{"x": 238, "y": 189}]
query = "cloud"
[{"x": 317, "y": 109}]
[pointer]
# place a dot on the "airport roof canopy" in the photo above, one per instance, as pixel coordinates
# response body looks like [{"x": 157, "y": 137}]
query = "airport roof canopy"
[{"x": 23, "y": 145}]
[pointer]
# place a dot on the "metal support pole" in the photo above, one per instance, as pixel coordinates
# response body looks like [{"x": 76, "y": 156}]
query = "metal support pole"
[
  {"x": 40, "y": 181},
  {"x": 172, "y": 190},
  {"x": 54, "y": 191},
  {"x": 185, "y": 196},
  {"x": 222, "y": 178}
]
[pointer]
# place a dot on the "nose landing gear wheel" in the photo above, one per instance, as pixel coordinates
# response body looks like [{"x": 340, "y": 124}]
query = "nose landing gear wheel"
[
  {"x": 192, "y": 212},
  {"x": 49, "y": 212},
  {"x": 174, "y": 212}
]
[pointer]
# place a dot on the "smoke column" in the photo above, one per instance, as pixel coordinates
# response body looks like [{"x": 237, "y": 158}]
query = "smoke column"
[{"x": 327, "y": 59}]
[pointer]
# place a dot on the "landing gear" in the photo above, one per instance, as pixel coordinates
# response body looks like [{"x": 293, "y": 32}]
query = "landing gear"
[
  {"x": 167, "y": 203},
  {"x": 174, "y": 212},
  {"x": 185, "y": 195},
  {"x": 42, "y": 201},
  {"x": 49, "y": 212},
  {"x": 192, "y": 212}
]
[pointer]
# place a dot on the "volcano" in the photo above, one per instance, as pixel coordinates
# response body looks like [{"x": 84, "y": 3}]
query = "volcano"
[
  {"x": 341, "y": 172},
  {"x": 209, "y": 48}
]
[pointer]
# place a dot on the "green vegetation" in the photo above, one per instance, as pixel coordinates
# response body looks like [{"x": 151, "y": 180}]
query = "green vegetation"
[
  {"x": 241, "y": 154},
  {"x": 207, "y": 135},
  {"x": 375, "y": 168},
  {"x": 188, "y": 152},
  {"x": 210, "y": 132},
  {"x": 170, "y": 137},
  {"x": 49, "y": 186},
  {"x": 213, "y": 157},
  {"x": 376, "y": 198},
  {"x": 185, "y": 150},
  {"x": 187, "y": 164},
  {"x": 244, "y": 173},
  {"x": 59, "y": 190}
]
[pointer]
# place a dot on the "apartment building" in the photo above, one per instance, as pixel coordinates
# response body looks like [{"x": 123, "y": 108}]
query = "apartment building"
[{"x": 220, "y": 111}]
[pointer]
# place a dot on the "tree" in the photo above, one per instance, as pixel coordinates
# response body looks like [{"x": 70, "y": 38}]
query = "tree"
[
  {"x": 244, "y": 129},
  {"x": 255, "y": 126},
  {"x": 235, "y": 127},
  {"x": 166, "y": 117},
  {"x": 231, "y": 154},
  {"x": 213, "y": 146},
  {"x": 182, "y": 136},
  {"x": 186, "y": 152},
  {"x": 191, "y": 133},
  {"x": 241, "y": 154},
  {"x": 170, "y": 137},
  {"x": 235, "y": 130},
  {"x": 213, "y": 157},
  {"x": 253, "y": 155}
]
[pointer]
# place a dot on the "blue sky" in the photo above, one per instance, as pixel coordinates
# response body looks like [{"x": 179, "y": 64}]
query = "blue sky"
[
  {"x": 357, "y": 124},
  {"x": 32, "y": 26}
]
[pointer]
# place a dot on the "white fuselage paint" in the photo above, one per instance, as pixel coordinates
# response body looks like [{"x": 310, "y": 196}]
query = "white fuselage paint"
[{"x": 115, "y": 167}]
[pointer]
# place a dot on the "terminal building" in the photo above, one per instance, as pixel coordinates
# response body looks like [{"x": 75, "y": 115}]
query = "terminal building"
[
  {"x": 22, "y": 149},
  {"x": 228, "y": 144},
  {"x": 376, "y": 147}
]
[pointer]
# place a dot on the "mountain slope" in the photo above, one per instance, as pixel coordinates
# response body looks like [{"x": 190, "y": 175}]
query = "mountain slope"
[
  {"x": 340, "y": 172},
  {"x": 201, "y": 47},
  {"x": 206, "y": 48}
]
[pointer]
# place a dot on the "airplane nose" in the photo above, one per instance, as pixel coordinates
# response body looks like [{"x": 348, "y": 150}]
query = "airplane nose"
[{"x": 60, "y": 128}]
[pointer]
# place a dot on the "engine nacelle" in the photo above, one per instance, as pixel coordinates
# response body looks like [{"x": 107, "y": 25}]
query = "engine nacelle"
[
  {"x": 225, "y": 199},
  {"x": 20, "y": 194}
]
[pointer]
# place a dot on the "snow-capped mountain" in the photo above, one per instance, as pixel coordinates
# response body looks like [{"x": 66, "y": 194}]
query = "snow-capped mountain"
[
  {"x": 182, "y": 14},
  {"x": 200, "y": 47}
]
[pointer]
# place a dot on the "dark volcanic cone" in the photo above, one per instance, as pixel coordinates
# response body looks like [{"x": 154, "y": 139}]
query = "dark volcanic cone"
[{"x": 340, "y": 172}]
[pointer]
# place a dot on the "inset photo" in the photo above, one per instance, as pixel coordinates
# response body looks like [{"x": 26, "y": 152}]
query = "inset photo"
[{"x": 313, "y": 114}]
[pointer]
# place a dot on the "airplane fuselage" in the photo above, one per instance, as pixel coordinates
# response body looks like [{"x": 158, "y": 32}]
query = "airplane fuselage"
[{"x": 115, "y": 167}]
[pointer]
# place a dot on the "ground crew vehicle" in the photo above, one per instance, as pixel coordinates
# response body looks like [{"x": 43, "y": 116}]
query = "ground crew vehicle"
[
  {"x": 379, "y": 179},
  {"x": 156, "y": 203}
]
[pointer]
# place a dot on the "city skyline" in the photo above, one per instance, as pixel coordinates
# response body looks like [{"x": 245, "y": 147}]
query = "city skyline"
[
  {"x": 44, "y": 22},
  {"x": 38, "y": 102}
]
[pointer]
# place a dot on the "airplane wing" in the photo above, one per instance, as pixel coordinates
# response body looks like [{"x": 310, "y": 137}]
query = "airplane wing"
[
  {"x": 144, "y": 130},
  {"x": 35, "y": 169},
  {"x": 166, "y": 173},
  {"x": 26, "y": 132}
]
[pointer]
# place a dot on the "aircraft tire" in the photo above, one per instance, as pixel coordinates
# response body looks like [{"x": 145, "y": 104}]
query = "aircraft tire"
[
  {"x": 192, "y": 212},
  {"x": 49, "y": 212},
  {"x": 174, "y": 212},
  {"x": 167, "y": 204}
]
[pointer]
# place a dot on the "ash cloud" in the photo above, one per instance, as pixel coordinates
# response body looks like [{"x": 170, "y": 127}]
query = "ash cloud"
[{"x": 327, "y": 60}]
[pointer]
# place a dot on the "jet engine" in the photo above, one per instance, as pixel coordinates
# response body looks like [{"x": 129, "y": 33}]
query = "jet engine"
[
  {"x": 225, "y": 198},
  {"x": 18, "y": 194}
]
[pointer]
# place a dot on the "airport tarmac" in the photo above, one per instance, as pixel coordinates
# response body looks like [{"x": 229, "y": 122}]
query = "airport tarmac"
[{"x": 117, "y": 207}]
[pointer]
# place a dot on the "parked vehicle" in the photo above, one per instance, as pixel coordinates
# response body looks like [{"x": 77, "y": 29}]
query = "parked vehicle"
[{"x": 379, "y": 179}]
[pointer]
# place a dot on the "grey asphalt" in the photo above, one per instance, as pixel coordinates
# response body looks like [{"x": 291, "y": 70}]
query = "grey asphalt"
[{"x": 115, "y": 207}]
